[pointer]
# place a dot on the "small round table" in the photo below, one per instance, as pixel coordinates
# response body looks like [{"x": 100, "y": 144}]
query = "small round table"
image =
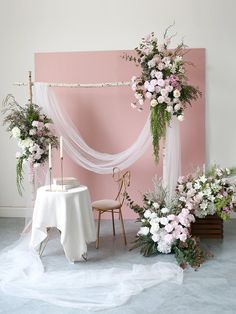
[{"x": 71, "y": 213}]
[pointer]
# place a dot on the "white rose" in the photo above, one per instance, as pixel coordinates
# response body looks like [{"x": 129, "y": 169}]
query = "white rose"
[
  {"x": 169, "y": 109},
  {"x": 147, "y": 213},
  {"x": 155, "y": 237},
  {"x": 176, "y": 93},
  {"x": 153, "y": 103},
  {"x": 177, "y": 107},
  {"x": 16, "y": 132},
  {"x": 143, "y": 231},
  {"x": 164, "y": 221},
  {"x": 155, "y": 205},
  {"x": 159, "y": 75},
  {"x": 181, "y": 118},
  {"x": 154, "y": 228},
  {"x": 165, "y": 210}
]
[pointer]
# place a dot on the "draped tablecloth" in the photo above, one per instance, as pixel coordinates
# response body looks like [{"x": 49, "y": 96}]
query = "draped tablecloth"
[{"x": 71, "y": 213}]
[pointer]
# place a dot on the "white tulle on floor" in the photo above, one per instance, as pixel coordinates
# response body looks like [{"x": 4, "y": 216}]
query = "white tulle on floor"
[{"x": 22, "y": 275}]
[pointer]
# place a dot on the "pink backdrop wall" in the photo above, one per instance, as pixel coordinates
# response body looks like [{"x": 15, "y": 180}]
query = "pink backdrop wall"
[{"x": 107, "y": 122}]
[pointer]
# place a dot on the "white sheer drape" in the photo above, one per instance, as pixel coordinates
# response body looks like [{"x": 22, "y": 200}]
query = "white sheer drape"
[
  {"x": 75, "y": 146},
  {"x": 103, "y": 163},
  {"x": 172, "y": 157}
]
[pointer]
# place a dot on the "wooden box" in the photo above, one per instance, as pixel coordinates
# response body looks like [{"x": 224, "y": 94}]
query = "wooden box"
[{"x": 209, "y": 227}]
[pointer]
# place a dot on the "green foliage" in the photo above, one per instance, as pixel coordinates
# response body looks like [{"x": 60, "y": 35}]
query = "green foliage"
[
  {"x": 160, "y": 119},
  {"x": 19, "y": 174},
  {"x": 189, "y": 252},
  {"x": 146, "y": 245}
]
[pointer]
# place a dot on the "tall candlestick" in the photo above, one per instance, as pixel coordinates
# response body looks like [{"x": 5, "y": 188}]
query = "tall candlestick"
[
  {"x": 204, "y": 169},
  {"x": 50, "y": 156},
  {"x": 61, "y": 147}
]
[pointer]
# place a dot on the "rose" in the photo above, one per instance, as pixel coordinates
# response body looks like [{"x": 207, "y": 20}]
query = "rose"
[{"x": 16, "y": 132}]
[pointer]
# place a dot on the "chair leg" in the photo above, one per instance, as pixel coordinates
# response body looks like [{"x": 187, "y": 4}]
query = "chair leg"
[
  {"x": 98, "y": 230},
  {"x": 113, "y": 223},
  {"x": 122, "y": 224}
]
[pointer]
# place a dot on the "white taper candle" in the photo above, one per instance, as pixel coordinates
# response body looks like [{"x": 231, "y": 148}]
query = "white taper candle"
[
  {"x": 61, "y": 147},
  {"x": 50, "y": 156},
  {"x": 204, "y": 168}
]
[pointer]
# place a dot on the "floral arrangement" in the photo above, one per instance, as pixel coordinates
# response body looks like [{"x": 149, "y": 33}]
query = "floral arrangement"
[
  {"x": 33, "y": 131},
  {"x": 166, "y": 224},
  {"x": 208, "y": 194},
  {"x": 162, "y": 83}
]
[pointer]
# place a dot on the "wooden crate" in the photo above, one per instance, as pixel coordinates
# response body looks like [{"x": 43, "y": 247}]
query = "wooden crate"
[{"x": 209, "y": 227}]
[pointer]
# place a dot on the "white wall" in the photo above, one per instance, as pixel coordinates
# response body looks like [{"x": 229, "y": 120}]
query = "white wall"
[{"x": 29, "y": 26}]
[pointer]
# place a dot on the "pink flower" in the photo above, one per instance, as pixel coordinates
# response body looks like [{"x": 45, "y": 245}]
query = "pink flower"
[
  {"x": 148, "y": 95},
  {"x": 169, "y": 227},
  {"x": 160, "y": 99},
  {"x": 153, "y": 82},
  {"x": 151, "y": 88},
  {"x": 161, "y": 82}
]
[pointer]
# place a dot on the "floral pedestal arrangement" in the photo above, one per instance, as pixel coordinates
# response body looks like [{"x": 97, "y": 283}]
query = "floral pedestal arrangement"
[{"x": 210, "y": 227}]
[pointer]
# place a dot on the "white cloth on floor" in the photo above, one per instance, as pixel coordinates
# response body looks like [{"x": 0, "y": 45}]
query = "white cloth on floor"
[{"x": 71, "y": 213}]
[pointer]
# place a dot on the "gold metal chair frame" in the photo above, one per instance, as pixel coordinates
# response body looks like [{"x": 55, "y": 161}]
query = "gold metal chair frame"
[{"x": 123, "y": 181}]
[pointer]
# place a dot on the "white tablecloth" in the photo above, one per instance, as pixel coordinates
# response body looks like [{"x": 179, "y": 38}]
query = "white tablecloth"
[{"x": 71, "y": 213}]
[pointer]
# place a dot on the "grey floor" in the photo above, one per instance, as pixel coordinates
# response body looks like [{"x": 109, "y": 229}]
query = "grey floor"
[{"x": 210, "y": 290}]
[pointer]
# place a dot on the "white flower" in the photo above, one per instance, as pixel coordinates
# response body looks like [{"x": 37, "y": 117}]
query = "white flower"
[
  {"x": 155, "y": 205},
  {"x": 143, "y": 231},
  {"x": 32, "y": 132},
  {"x": 153, "y": 103},
  {"x": 151, "y": 63},
  {"x": 176, "y": 93},
  {"x": 177, "y": 107},
  {"x": 16, "y": 132},
  {"x": 160, "y": 66},
  {"x": 165, "y": 210},
  {"x": 164, "y": 221},
  {"x": 183, "y": 237},
  {"x": 133, "y": 105},
  {"x": 36, "y": 165},
  {"x": 154, "y": 228},
  {"x": 178, "y": 58},
  {"x": 155, "y": 237},
  {"x": 147, "y": 213},
  {"x": 159, "y": 75},
  {"x": 164, "y": 247},
  {"x": 153, "y": 216},
  {"x": 180, "y": 118},
  {"x": 18, "y": 155},
  {"x": 203, "y": 179},
  {"x": 203, "y": 205},
  {"x": 169, "y": 109},
  {"x": 160, "y": 99}
]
